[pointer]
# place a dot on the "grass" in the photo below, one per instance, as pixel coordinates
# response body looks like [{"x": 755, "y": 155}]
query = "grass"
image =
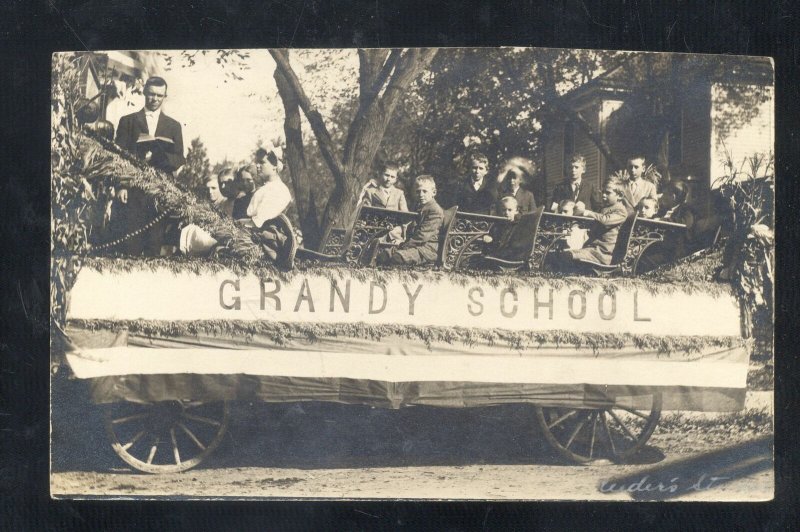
[
  {"x": 751, "y": 421},
  {"x": 761, "y": 378}
]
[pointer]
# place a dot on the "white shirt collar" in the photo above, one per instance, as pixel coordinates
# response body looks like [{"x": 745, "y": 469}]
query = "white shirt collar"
[
  {"x": 476, "y": 185},
  {"x": 152, "y": 117}
]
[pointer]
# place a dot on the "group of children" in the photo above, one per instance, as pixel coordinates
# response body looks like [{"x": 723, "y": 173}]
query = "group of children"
[
  {"x": 505, "y": 196},
  {"x": 236, "y": 194}
]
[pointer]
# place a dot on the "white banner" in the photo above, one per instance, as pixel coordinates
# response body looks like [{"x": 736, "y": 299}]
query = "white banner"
[
  {"x": 163, "y": 295},
  {"x": 713, "y": 369}
]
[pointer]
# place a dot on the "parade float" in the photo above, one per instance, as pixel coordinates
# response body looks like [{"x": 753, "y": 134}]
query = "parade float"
[{"x": 167, "y": 345}]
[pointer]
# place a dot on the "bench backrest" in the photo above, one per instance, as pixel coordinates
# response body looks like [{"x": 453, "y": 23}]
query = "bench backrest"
[
  {"x": 622, "y": 249},
  {"x": 554, "y": 228},
  {"x": 447, "y": 224},
  {"x": 647, "y": 233},
  {"x": 335, "y": 242},
  {"x": 370, "y": 223},
  {"x": 464, "y": 238},
  {"x": 519, "y": 244}
]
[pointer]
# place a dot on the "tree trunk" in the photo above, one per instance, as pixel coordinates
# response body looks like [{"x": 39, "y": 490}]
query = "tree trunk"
[
  {"x": 380, "y": 90},
  {"x": 366, "y": 133},
  {"x": 296, "y": 161}
]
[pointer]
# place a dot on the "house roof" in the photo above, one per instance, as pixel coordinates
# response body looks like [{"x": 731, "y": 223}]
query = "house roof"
[{"x": 721, "y": 69}]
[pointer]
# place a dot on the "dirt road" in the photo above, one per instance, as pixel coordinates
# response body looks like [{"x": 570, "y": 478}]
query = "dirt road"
[{"x": 321, "y": 450}]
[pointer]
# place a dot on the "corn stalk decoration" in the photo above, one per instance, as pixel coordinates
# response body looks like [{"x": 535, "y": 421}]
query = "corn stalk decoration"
[
  {"x": 81, "y": 164},
  {"x": 70, "y": 192},
  {"x": 749, "y": 191}
]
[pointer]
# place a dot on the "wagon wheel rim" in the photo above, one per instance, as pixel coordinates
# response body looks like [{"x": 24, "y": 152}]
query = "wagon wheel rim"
[
  {"x": 167, "y": 436},
  {"x": 616, "y": 431}
]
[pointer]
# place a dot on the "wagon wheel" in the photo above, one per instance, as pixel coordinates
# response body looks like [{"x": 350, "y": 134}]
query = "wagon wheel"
[
  {"x": 165, "y": 437},
  {"x": 616, "y": 430}
]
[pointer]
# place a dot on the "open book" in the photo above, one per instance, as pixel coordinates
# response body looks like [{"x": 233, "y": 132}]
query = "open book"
[{"x": 147, "y": 143}]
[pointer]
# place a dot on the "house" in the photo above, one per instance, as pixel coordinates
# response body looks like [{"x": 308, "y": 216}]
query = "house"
[
  {"x": 685, "y": 113},
  {"x": 112, "y": 81}
]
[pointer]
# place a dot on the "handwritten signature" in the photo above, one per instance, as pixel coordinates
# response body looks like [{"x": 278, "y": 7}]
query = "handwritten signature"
[{"x": 648, "y": 485}]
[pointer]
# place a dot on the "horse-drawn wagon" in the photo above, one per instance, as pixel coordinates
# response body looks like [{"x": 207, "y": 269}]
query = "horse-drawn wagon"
[{"x": 167, "y": 349}]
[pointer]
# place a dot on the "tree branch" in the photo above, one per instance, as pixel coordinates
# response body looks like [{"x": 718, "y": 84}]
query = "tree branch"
[
  {"x": 314, "y": 117},
  {"x": 388, "y": 67},
  {"x": 409, "y": 66},
  {"x": 371, "y": 65}
]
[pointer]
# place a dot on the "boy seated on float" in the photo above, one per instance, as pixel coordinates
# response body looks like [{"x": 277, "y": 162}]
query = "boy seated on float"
[
  {"x": 500, "y": 233},
  {"x": 513, "y": 176},
  {"x": 381, "y": 190},
  {"x": 647, "y": 208},
  {"x": 676, "y": 209},
  {"x": 603, "y": 234},
  {"x": 566, "y": 207},
  {"x": 637, "y": 187},
  {"x": 476, "y": 192},
  {"x": 422, "y": 243},
  {"x": 577, "y": 235}
]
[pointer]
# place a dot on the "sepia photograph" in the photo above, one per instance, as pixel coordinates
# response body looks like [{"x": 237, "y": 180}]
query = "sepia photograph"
[{"x": 413, "y": 273}]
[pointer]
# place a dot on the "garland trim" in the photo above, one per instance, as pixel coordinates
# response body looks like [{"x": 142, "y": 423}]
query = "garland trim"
[{"x": 282, "y": 333}]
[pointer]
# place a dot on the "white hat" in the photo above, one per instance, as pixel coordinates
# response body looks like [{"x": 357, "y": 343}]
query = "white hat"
[{"x": 196, "y": 241}]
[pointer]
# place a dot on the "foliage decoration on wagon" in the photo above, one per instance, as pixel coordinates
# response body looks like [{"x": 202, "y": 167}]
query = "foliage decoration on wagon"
[
  {"x": 81, "y": 160},
  {"x": 281, "y": 333}
]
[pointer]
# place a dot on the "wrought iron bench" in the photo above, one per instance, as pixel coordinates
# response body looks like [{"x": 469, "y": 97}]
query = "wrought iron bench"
[
  {"x": 516, "y": 252},
  {"x": 653, "y": 243},
  {"x": 349, "y": 246},
  {"x": 552, "y": 232},
  {"x": 465, "y": 238}
]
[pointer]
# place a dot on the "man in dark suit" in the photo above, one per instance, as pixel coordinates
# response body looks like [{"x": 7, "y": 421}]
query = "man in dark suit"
[
  {"x": 576, "y": 189},
  {"x": 477, "y": 192},
  {"x": 151, "y": 122}
]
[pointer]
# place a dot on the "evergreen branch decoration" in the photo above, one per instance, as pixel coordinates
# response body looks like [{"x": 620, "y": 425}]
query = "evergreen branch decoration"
[{"x": 281, "y": 333}]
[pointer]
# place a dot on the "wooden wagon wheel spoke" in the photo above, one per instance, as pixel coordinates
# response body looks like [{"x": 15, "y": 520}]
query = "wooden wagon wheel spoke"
[
  {"x": 621, "y": 424},
  {"x": 130, "y": 418},
  {"x": 594, "y": 431},
  {"x": 562, "y": 419},
  {"x": 575, "y": 432},
  {"x": 633, "y": 411},
  {"x": 175, "y": 451},
  {"x": 152, "y": 454},
  {"x": 136, "y": 438},
  {"x": 147, "y": 438},
  {"x": 192, "y": 436},
  {"x": 608, "y": 432},
  {"x": 202, "y": 419}
]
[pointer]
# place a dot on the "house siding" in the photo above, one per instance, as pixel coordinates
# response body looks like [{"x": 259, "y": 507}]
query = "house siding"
[
  {"x": 696, "y": 137},
  {"x": 553, "y": 157},
  {"x": 585, "y": 146},
  {"x": 756, "y": 137}
]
